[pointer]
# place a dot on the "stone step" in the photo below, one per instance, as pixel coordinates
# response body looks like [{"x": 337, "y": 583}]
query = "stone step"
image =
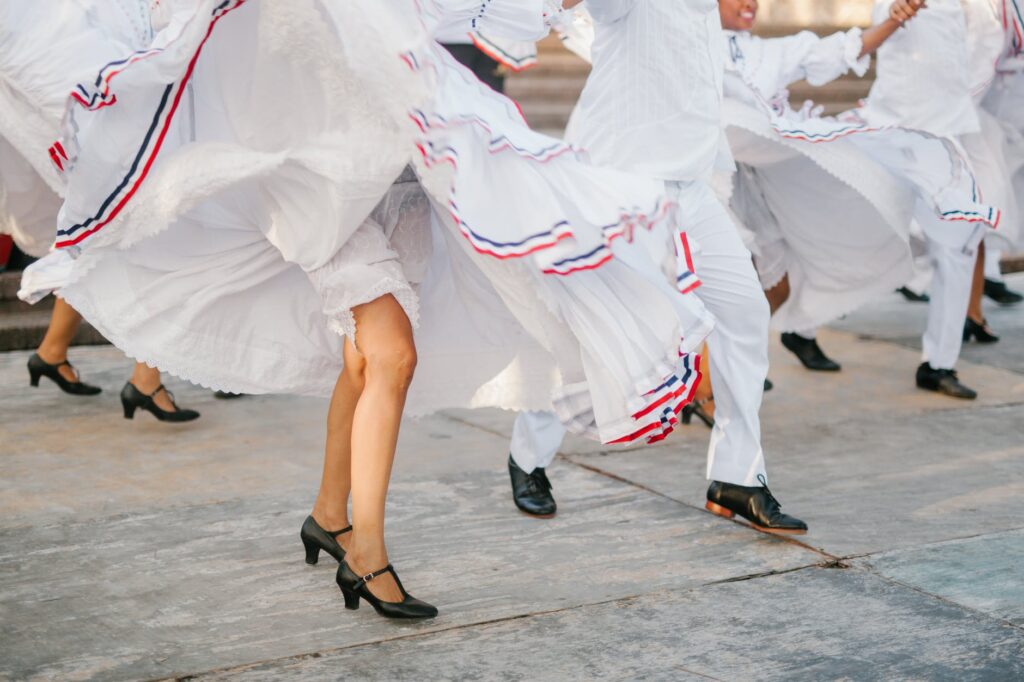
[
  {"x": 555, "y": 88},
  {"x": 25, "y": 331},
  {"x": 22, "y": 326},
  {"x": 9, "y": 301},
  {"x": 10, "y": 281}
]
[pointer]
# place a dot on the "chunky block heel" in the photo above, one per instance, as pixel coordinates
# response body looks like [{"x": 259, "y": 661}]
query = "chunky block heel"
[
  {"x": 33, "y": 378},
  {"x": 129, "y": 409},
  {"x": 351, "y": 599},
  {"x": 719, "y": 510},
  {"x": 312, "y": 551}
]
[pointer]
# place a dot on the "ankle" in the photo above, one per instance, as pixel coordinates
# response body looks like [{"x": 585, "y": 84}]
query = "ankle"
[
  {"x": 364, "y": 559},
  {"x": 329, "y": 517},
  {"x": 52, "y": 355}
]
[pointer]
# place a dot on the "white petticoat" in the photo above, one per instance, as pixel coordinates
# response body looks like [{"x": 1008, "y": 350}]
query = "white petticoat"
[{"x": 226, "y": 215}]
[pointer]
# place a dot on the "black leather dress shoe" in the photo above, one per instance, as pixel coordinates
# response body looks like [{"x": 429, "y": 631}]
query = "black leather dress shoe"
[
  {"x": 756, "y": 504},
  {"x": 227, "y": 395},
  {"x": 999, "y": 293},
  {"x": 943, "y": 381},
  {"x": 531, "y": 491},
  {"x": 809, "y": 353},
  {"x": 912, "y": 296}
]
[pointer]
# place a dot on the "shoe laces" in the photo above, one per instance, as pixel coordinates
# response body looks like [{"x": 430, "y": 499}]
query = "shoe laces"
[
  {"x": 537, "y": 481},
  {"x": 764, "y": 482}
]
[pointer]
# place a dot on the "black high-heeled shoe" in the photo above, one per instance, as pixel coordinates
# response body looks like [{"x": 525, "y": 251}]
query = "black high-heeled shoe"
[
  {"x": 979, "y": 331},
  {"x": 696, "y": 409},
  {"x": 315, "y": 538},
  {"x": 353, "y": 588},
  {"x": 37, "y": 367},
  {"x": 133, "y": 399}
]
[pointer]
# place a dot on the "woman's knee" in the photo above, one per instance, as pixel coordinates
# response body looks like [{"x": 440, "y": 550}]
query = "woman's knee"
[
  {"x": 393, "y": 362},
  {"x": 354, "y": 365}
]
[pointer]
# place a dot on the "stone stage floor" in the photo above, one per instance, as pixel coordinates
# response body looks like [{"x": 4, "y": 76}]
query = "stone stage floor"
[{"x": 137, "y": 550}]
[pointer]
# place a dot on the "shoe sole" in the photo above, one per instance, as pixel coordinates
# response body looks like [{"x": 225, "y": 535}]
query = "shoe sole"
[
  {"x": 536, "y": 516},
  {"x": 946, "y": 393},
  {"x": 719, "y": 510}
]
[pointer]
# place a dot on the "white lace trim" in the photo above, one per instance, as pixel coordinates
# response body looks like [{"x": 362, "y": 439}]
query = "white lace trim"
[{"x": 343, "y": 321}]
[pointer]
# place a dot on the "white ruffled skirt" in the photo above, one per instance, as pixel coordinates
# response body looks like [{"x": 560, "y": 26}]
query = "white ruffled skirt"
[{"x": 239, "y": 187}]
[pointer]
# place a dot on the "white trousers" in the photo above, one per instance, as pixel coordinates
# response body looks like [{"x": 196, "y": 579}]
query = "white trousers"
[
  {"x": 950, "y": 295},
  {"x": 992, "y": 269},
  {"x": 732, "y": 292},
  {"x": 536, "y": 437}
]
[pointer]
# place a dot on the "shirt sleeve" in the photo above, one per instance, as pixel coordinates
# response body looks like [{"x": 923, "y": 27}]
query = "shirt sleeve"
[
  {"x": 608, "y": 11},
  {"x": 821, "y": 60}
]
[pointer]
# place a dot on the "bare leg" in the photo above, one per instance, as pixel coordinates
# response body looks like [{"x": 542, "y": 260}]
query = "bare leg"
[
  {"x": 704, "y": 395},
  {"x": 385, "y": 343},
  {"x": 778, "y": 294},
  {"x": 974, "y": 310},
  {"x": 331, "y": 507},
  {"x": 64, "y": 323}
]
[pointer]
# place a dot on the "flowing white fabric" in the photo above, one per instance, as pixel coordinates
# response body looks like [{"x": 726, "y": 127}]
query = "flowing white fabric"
[
  {"x": 842, "y": 235},
  {"x": 42, "y": 48},
  {"x": 229, "y": 202}
]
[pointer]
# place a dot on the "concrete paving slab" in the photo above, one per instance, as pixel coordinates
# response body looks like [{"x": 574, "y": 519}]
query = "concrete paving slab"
[
  {"x": 192, "y": 588},
  {"x": 983, "y": 573},
  {"x": 896, "y": 320},
  {"x": 877, "y": 377},
  {"x": 97, "y": 463},
  {"x": 137, "y": 549},
  {"x": 870, "y": 485},
  {"x": 809, "y": 625}
]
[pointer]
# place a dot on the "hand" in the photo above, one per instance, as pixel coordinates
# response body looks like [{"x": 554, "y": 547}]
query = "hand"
[{"x": 904, "y": 10}]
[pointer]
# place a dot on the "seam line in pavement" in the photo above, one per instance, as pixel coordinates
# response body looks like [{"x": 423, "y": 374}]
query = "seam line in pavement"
[
  {"x": 910, "y": 346},
  {"x": 615, "y": 477},
  {"x": 184, "y": 677},
  {"x": 947, "y": 600}
]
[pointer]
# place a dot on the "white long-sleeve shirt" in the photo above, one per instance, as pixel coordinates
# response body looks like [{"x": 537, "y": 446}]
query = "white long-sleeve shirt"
[
  {"x": 652, "y": 102},
  {"x": 924, "y": 74}
]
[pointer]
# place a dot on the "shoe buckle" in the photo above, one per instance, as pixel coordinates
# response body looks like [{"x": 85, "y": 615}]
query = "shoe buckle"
[{"x": 368, "y": 577}]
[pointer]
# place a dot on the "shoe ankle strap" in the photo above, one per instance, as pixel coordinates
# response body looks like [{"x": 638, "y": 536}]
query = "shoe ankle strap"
[
  {"x": 336, "y": 533},
  {"x": 375, "y": 574}
]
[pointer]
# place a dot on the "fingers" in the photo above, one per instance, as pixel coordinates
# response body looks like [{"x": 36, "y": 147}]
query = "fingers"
[{"x": 904, "y": 10}]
